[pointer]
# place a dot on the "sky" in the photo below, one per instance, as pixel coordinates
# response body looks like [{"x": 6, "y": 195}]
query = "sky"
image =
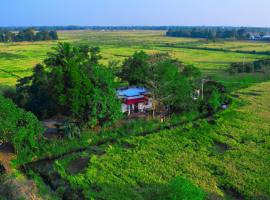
[{"x": 135, "y": 12}]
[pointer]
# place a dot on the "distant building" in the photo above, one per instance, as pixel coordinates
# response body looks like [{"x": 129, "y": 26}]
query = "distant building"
[
  {"x": 135, "y": 99},
  {"x": 258, "y": 37}
]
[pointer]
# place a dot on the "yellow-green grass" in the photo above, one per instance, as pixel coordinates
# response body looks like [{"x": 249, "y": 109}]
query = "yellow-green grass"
[
  {"x": 18, "y": 59},
  {"x": 240, "y": 45},
  {"x": 230, "y": 157}
]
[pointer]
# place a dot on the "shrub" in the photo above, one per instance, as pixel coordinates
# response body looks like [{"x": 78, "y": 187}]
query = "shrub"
[{"x": 20, "y": 128}]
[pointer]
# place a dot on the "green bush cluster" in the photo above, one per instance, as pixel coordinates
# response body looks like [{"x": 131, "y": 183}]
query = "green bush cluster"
[
  {"x": 250, "y": 67},
  {"x": 20, "y": 128},
  {"x": 72, "y": 83}
]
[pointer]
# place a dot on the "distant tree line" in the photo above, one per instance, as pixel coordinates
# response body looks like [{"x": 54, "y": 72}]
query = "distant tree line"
[
  {"x": 27, "y": 35},
  {"x": 72, "y": 27},
  {"x": 250, "y": 67},
  {"x": 216, "y": 33}
]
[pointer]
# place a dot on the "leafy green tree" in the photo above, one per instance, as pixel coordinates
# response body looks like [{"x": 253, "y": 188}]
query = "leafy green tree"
[
  {"x": 73, "y": 84},
  {"x": 39, "y": 94},
  {"x": 53, "y": 35},
  {"x": 169, "y": 81},
  {"x": 135, "y": 68},
  {"x": 168, "y": 86}
]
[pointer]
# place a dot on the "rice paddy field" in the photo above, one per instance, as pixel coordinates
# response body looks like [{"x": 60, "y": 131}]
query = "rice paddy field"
[
  {"x": 226, "y": 156},
  {"x": 18, "y": 59}
]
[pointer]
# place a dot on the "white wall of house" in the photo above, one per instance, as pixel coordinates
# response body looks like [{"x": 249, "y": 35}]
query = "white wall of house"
[{"x": 124, "y": 108}]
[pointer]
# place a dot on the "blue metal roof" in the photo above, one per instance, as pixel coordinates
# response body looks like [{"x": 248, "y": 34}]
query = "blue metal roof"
[{"x": 131, "y": 92}]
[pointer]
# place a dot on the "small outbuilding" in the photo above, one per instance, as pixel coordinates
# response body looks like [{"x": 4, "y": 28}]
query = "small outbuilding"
[{"x": 135, "y": 99}]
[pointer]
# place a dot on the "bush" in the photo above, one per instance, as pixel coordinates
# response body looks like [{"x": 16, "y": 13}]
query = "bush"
[{"x": 20, "y": 128}]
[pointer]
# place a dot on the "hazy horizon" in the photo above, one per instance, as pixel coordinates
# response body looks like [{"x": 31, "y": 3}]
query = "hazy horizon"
[{"x": 135, "y": 13}]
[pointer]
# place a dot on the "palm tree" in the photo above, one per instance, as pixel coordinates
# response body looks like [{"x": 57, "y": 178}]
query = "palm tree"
[{"x": 63, "y": 52}]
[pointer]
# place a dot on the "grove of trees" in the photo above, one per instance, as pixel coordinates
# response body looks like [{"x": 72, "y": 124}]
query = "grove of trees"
[
  {"x": 250, "y": 67},
  {"x": 71, "y": 83},
  {"x": 27, "y": 35},
  {"x": 214, "y": 32},
  {"x": 170, "y": 82}
]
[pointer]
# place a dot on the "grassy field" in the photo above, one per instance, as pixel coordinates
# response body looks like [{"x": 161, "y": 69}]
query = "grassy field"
[
  {"x": 228, "y": 158},
  {"x": 18, "y": 59}
]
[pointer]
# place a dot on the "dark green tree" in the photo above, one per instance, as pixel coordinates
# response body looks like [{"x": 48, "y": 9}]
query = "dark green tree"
[
  {"x": 73, "y": 84},
  {"x": 169, "y": 81},
  {"x": 135, "y": 68},
  {"x": 169, "y": 87}
]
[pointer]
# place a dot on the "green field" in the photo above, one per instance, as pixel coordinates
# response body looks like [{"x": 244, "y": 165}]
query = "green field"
[
  {"x": 18, "y": 59},
  {"x": 226, "y": 155}
]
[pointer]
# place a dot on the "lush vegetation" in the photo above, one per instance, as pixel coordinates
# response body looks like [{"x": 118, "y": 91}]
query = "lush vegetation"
[
  {"x": 20, "y": 128},
  {"x": 169, "y": 81},
  {"x": 215, "y": 33},
  {"x": 27, "y": 35},
  {"x": 186, "y": 157},
  {"x": 227, "y": 158},
  {"x": 71, "y": 83},
  {"x": 262, "y": 66},
  {"x": 212, "y": 58}
]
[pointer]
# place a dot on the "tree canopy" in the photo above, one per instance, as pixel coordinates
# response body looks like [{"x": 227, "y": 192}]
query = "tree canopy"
[
  {"x": 169, "y": 81},
  {"x": 18, "y": 127},
  {"x": 27, "y": 35},
  {"x": 71, "y": 83}
]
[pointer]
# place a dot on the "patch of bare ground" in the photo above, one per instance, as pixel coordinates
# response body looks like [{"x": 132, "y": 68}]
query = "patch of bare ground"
[
  {"x": 17, "y": 188},
  {"x": 78, "y": 165},
  {"x": 220, "y": 148},
  {"x": 6, "y": 155},
  {"x": 14, "y": 187},
  {"x": 52, "y": 127}
]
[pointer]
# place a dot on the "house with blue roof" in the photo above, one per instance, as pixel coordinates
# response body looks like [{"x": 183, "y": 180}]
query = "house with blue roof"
[{"x": 135, "y": 99}]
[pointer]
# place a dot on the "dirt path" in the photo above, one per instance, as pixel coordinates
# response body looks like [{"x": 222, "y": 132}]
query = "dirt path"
[
  {"x": 6, "y": 155},
  {"x": 13, "y": 185}
]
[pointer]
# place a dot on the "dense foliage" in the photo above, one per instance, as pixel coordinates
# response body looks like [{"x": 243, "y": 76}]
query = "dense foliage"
[
  {"x": 27, "y": 35},
  {"x": 71, "y": 83},
  {"x": 170, "y": 82},
  {"x": 215, "y": 95},
  {"x": 250, "y": 67},
  {"x": 20, "y": 128},
  {"x": 215, "y": 33}
]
